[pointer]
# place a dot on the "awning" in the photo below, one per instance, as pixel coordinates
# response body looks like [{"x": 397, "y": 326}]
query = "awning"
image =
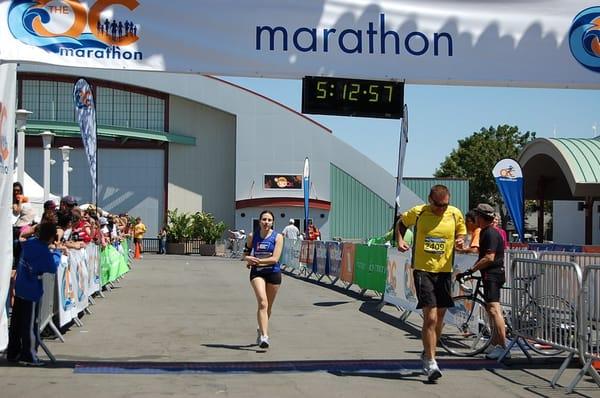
[{"x": 65, "y": 129}]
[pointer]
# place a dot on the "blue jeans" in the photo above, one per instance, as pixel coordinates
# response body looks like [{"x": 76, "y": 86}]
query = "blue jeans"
[{"x": 162, "y": 243}]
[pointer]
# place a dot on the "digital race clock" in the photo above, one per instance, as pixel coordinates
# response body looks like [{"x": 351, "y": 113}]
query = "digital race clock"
[{"x": 352, "y": 97}]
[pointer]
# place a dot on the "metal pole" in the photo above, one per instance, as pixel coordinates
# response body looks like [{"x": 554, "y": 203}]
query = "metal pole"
[
  {"x": 47, "y": 144},
  {"x": 21, "y": 125},
  {"x": 65, "y": 150}
]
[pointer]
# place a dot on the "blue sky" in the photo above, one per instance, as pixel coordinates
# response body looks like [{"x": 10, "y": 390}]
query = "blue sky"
[{"x": 441, "y": 115}]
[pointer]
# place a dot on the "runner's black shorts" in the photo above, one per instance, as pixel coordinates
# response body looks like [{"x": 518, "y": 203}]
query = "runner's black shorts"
[
  {"x": 274, "y": 278},
  {"x": 433, "y": 289},
  {"x": 492, "y": 284}
]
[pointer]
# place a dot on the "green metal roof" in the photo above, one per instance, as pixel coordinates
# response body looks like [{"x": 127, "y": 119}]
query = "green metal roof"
[
  {"x": 568, "y": 168},
  {"x": 583, "y": 157},
  {"x": 66, "y": 129}
]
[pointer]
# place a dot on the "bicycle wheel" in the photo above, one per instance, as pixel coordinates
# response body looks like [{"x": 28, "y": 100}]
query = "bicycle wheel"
[
  {"x": 553, "y": 320},
  {"x": 466, "y": 331}
]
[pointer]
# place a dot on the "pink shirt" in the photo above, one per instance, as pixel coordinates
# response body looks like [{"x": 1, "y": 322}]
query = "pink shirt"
[{"x": 503, "y": 234}]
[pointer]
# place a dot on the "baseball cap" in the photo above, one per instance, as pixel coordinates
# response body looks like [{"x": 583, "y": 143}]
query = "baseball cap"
[
  {"x": 69, "y": 200},
  {"x": 291, "y": 221},
  {"x": 485, "y": 210},
  {"x": 49, "y": 205}
]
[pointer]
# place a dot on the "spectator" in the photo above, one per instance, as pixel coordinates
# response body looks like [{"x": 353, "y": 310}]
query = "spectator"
[
  {"x": 502, "y": 232},
  {"x": 36, "y": 259},
  {"x": 291, "y": 231},
  {"x": 139, "y": 229},
  {"x": 162, "y": 240},
  {"x": 473, "y": 231},
  {"x": 313, "y": 231}
]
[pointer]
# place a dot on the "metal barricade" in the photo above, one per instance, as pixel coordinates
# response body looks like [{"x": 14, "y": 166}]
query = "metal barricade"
[
  {"x": 585, "y": 259},
  {"x": 589, "y": 326},
  {"x": 47, "y": 305},
  {"x": 545, "y": 305},
  {"x": 509, "y": 256}
]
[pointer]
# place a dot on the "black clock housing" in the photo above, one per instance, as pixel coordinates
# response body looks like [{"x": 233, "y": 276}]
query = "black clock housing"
[{"x": 352, "y": 97}]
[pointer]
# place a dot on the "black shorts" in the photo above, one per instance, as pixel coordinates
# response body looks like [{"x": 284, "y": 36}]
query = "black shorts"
[
  {"x": 492, "y": 284},
  {"x": 274, "y": 278},
  {"x": 433, "y": 289}
]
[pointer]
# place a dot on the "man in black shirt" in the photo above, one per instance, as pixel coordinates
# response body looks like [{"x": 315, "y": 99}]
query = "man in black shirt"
[{"x": 491, "y": 265}]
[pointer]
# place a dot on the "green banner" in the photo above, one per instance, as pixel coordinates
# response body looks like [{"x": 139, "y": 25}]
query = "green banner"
[{"x": 370, "y": 267}]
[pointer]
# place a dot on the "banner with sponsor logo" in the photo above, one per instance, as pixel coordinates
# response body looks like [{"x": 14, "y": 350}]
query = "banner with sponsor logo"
[
  {"x": 8, "y": 82},
  {"x": 320, "y": 267},
  {"x": 509, "y": 179},
  {"x": 85, "y": 110},
  {"x": 370, "y": 267},
  {"x": 290, "y": 255},
  {"x": 347, "y": 266},
  {"x": 334, "y": 255},
  {"x": 534, "y": 43}
]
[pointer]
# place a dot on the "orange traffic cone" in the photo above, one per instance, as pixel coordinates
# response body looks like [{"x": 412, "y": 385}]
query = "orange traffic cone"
[{"x": 138, "y": 251}]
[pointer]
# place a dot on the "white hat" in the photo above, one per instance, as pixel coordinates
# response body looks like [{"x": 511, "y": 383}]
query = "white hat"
[{"x": 292, "y": 221}]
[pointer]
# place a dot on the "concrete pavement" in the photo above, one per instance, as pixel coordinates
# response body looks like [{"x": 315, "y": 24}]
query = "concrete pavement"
[{"x": 173, "y": 312}]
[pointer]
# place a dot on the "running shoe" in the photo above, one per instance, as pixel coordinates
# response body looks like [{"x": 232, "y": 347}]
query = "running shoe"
[
  {"x": 497, "y": 352},
  {"x": 32, "y": 363},
  {"x": 264, "y": 342},
  {"x": 432, "y": 370}
]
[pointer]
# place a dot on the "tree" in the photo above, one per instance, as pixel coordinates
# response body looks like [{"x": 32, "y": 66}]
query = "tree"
[{"x": 477, "y": 155}]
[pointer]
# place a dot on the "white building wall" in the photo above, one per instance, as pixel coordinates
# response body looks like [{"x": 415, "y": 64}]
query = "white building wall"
[
  {"x": 202, "y": 177},
  {"x": 569, "y": 223},
  {"x": 129, "y": 180}
]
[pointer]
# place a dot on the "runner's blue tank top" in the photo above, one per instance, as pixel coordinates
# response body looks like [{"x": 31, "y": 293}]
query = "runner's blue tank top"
[{"x": 263, "y": 248}]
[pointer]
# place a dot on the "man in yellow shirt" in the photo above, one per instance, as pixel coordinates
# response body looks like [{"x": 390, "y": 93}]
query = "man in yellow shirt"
[
  {"x": 439, "y": 229},
  {"x": 139, "y": 229}
]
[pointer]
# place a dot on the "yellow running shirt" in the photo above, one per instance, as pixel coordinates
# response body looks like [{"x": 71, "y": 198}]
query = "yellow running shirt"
[{"x": 434, "y": 237}]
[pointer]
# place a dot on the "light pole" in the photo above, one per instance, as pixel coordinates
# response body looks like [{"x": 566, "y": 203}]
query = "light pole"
[
  {"x": 65, "y": 150},
  {"x": 22, "y": 115},
  {"x": 47, "y": 137}
]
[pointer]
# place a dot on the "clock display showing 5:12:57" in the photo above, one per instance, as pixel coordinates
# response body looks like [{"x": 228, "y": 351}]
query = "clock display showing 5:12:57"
[{"x": 349, "y": 91}]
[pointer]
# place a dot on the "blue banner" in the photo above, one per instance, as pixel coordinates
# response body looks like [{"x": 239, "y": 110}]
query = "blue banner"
[
  {"x": 85, "y": 109},
  {"x": 306, "y": 184},
  {"x": 509, "y": 179}
]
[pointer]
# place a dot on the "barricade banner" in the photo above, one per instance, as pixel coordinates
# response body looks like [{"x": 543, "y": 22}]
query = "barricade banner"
[
  {"x": 79, "y": 277},
  {"x": 400, "y": 286},
  {"x": 541, "y": 246},
  {"x": 334, "y": 254},
  {"x": 66, "y": 291},
  {"x": 123, "y": 267},
  {"x": 320, "y": 263},
  {"x": 8, "y": 83},
  {"x": 591, "y": 249},
  {"x": 370, "y": 267},
  {"x": 291, "y": 249},
  {"x": 567, "y": 248},
  {"x": 110, "y": 260},
  {"x": 283, "y": 259},
  {"x": 304, "y": 250},
  {"x": 347, "y": 266},
  {"x": 93, "y": 262}
]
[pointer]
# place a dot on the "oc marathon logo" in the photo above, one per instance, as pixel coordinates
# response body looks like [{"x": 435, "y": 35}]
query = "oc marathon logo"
[
  {"x": 4, "y": 148},
  {"x": 67, "y": 28},
  {"x": 584, "y": 38}
]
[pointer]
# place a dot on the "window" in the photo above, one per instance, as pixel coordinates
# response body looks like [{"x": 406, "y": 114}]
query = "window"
[{"x": 53, "y": 101}]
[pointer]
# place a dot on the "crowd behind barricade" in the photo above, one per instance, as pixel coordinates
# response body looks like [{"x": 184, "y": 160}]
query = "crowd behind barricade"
[{"x": 87, "y": 248}]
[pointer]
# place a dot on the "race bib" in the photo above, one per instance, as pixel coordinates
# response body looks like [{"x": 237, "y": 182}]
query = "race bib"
[{"x": 435, "y": 245}]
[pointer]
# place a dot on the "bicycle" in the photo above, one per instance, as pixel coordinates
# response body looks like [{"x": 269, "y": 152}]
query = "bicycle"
[{"x": 467, "y": 330}]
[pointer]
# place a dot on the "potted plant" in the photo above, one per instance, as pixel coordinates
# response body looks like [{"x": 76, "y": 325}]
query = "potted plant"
[
  {"x": 179, "y": 229},
  {"x": 205, "y": 227}
]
